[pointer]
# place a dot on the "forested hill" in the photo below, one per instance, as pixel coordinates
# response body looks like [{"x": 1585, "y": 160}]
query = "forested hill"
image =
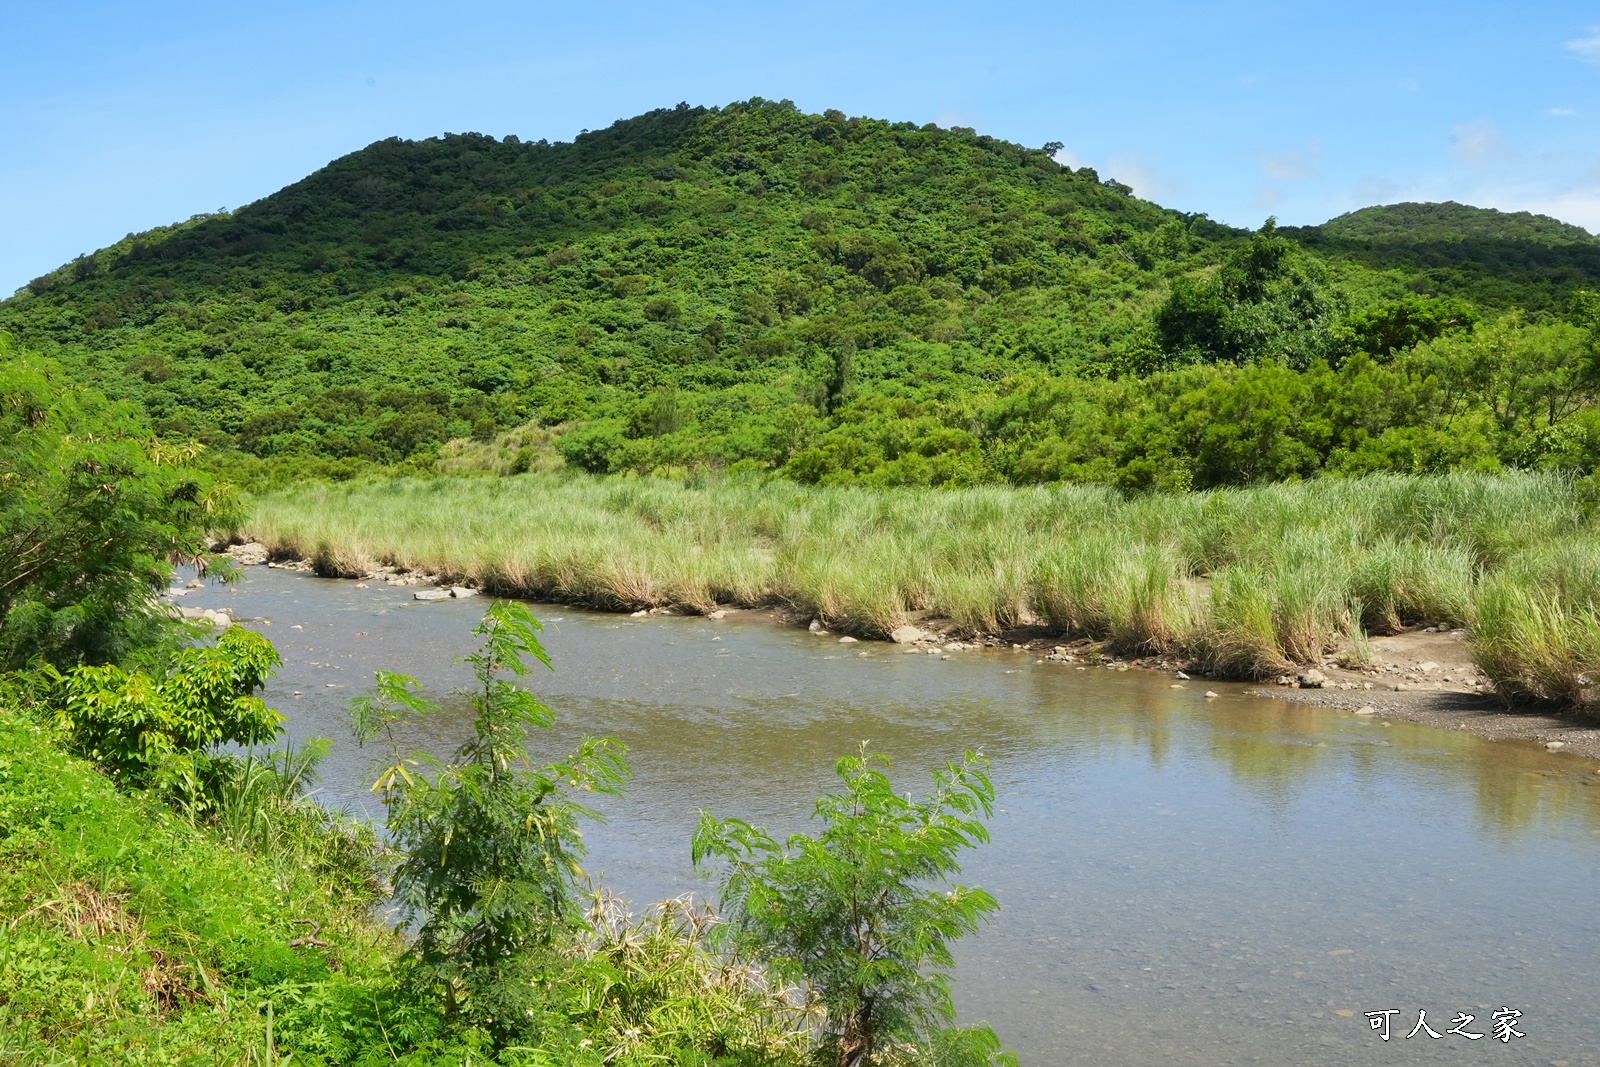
[
  {"x": 835, "y": 298},
  {"x": 1505, "y": 259}
]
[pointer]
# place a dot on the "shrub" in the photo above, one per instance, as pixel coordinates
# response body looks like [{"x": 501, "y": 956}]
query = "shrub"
[
  {"x": 490, "y": 849},
  {"x": 139, "y": 725},
  {"x": 855, "y": 912}
]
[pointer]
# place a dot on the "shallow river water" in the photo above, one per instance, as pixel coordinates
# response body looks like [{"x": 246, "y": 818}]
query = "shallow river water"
[{"x": 1181, "y": 881}]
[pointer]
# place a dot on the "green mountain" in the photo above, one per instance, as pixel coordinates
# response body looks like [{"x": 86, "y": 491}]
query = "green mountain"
[
  {"x": 747, "y": 285},
  {"x": 1501, "y": 259}
]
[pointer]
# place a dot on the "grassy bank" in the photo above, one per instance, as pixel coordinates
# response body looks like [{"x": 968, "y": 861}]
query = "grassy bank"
[
  {"x": 1249, "y": 581},
  {"x": 129, "y": 935}
]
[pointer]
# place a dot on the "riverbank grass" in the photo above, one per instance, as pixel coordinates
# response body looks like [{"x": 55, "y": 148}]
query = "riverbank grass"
[{"x": 1248, "y": 582}]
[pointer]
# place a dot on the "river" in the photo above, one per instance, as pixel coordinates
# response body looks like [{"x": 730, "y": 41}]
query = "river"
[{"x": 1181, "y": 881}]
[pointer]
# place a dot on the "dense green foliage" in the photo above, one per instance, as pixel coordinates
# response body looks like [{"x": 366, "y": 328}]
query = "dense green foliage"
[
  {"x": 838, "y": 299},
  {"x": 129, "y": 935},
  {"x": 1500, "y": 259},
  {"x": 861, "y": 912},
  {"x": 134, "y": 724},
  {"x": 94, "y": 509}
]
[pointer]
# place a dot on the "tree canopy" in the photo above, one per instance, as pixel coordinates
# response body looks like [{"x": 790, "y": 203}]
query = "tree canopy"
[{"x": 826, "y": 297}]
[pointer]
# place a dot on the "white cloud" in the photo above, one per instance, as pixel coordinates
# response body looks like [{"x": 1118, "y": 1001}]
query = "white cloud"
[
  {"x": 1267, "y": 197},
  {"x": 1068, "y": 158},
  {"x": 1586, "y": 48},
  {"x": 1479, "y": 144},
  {"x": 951, "y": 118},
  {"x": 1376, "y": 189},
  {"x": 1563, "y": 112},
  {"x": 1295, "y": 165},
  {"x": 1134, "y": 171}
]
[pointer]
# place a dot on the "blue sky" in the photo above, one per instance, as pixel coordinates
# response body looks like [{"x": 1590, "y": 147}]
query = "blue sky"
[{"x": 115, "y": 117}]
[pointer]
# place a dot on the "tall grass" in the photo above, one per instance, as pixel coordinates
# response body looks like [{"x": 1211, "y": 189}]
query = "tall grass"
[{"x": 1248, "y": 581}]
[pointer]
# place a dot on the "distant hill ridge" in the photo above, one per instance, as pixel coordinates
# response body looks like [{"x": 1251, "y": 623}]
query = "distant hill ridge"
[
  {"x": 1499, "y": 258},
  {"x": 1449, "y": 220}
]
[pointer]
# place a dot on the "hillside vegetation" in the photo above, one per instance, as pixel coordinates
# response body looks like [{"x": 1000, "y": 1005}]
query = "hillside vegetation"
[{"x": 833, "y": 299}]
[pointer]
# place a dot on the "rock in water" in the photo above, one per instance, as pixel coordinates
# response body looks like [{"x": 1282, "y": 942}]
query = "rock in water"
[
  {"x": 816, "y": 626},
  {"x": 432, "y": 594},
  {"x": 906, "y": 635},
  {"x": 461, "y": 592},
  {"x": 847, "y": 640},
  {"x": 1366, "y": 709}
]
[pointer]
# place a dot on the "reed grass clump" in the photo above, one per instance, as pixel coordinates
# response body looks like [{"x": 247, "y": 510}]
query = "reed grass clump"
[
  {"x": 1537, "y": 629},
  {"x": 1251, "y": 582}
]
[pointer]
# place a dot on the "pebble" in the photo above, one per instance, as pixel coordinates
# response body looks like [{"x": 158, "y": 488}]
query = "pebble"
[
  {"x": 1367, "y": 709},
  {"x": 1555, "y": 745}
]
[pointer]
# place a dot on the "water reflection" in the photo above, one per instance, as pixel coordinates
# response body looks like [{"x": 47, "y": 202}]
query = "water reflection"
[{"x": 1181, "y": 881}]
